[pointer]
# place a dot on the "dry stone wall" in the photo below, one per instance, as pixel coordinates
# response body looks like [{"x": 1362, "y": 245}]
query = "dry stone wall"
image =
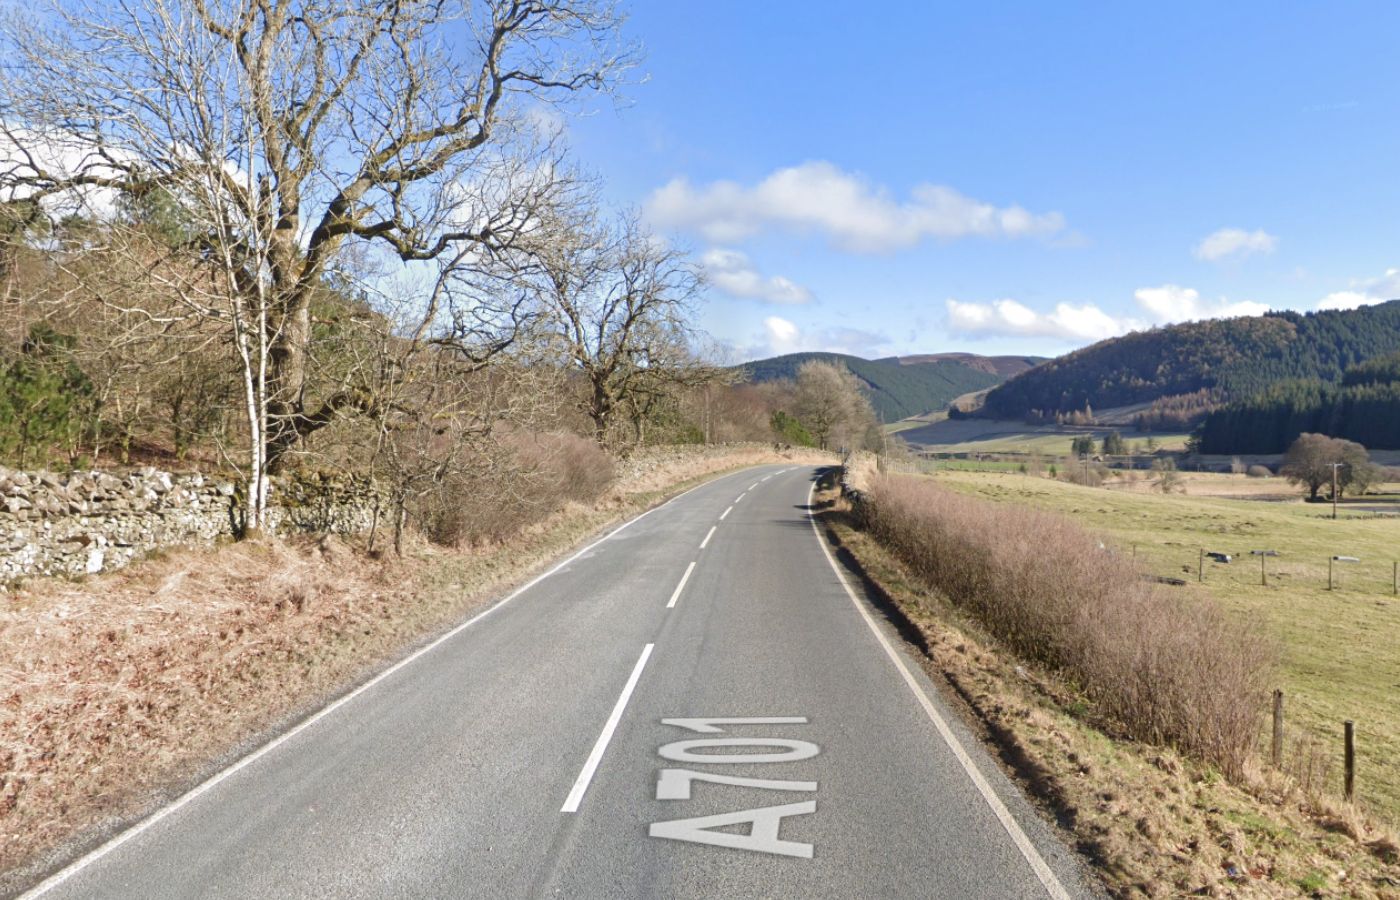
[{"x": 82, "y": 523}]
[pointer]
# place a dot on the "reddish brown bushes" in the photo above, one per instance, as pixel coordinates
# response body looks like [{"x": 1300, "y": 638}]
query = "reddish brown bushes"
[
  {"x": 1172, "y": 670},
  {"x": 534, "y": 476}
]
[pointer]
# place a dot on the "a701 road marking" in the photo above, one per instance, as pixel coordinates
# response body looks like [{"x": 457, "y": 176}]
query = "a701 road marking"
[{"x": 765, "y": 822}]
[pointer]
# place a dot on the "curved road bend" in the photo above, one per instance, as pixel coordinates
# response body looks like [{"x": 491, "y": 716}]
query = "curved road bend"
[{"x": 694, "y": 706}]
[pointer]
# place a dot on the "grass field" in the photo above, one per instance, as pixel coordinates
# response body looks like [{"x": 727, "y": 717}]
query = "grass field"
[
  {"x": 1340, "y": 649},
  {"x": 904, "y": 425},
  {"x": 971, "y": 465},
  {"x": 991, "y": 436}
]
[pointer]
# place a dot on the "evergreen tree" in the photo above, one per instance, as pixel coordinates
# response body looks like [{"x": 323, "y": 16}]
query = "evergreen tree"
[
  {"x": 1186, "y": 370},
  {"x": 790, "y": 430},
  {"x": 44, "y": 397}
]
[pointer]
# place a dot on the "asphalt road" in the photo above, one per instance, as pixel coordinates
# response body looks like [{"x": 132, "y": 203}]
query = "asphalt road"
[{"x": 570, "y": 742}]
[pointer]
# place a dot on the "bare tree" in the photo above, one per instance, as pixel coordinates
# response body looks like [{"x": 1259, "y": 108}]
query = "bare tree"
[
  {"x": 439, "y": 369},
  {"x": 288, "y": 130},
  {"x": 829, "y": 403},
  {"x": 616, "y": 303}
]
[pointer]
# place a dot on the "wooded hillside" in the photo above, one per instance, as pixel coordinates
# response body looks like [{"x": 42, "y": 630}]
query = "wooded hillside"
[
  {"x": 896, "y": 389},
  {"x": 1192, "y": 368},
  {"x": 1364, "y": 407}
]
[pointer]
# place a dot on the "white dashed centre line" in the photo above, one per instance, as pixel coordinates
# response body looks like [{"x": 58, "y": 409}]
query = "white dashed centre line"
[
  {"x": 752, "y": 486},
  {"x": 741, "y": 496},
  {"x": 706, "y": 541},
  {"x": 725, "y": 513},
  {"x": 680, "y": 587},
  {"x": 575, "y": 797}
]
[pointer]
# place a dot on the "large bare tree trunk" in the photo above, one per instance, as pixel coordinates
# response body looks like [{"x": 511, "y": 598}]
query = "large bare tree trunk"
[{"x": 287, "y": 385}]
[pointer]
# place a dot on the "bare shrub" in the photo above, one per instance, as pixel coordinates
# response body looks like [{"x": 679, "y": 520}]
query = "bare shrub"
[
  {"x": 1088, "y": 475},
  {"x": 1168, "y": 478},
  {"x": 1259, "y": 472},
  {"x": 1170, "y": 670},
  {"x": 579, "y": 469},
  {"x": 529, "y": 477},
  {"x": 1310, "y": 765}
]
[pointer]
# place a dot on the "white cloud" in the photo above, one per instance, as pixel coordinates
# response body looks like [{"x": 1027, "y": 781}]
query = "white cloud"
[
  {"x": 781, "y": 336},
  {"x": 1088, "y": 322},
  {"x": 850, "y": 211},
  {"x": 1346, "y": 300},
  {"x": 1173, "y": 303},
  {"x": 1365, "y": 292},
  {"x": 1234, "y": 242},
  {"x": 23, "y": 153},
  {"x": 546, "y": 122},
  {"x": 732, "y": 272},
  {"x": 1008, "y": 317}
]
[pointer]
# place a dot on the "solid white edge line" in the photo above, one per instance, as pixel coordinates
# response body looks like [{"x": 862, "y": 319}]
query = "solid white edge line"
[
  {"x": 214, "y": 780},
  {"x": 680, "y": 587},
  {"x": 725, "y": 513},
  {"x": 706, "y": 541},
  {"x": 1018, "y": 837},
  {"x": 585, "y": 776}
]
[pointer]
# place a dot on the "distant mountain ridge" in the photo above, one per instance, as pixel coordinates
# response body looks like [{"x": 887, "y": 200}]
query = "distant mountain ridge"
[
  {"x": 1005, "y": 366},
  {"x": 1185, "y": 371},
  {"x": 899, "y": 387}
]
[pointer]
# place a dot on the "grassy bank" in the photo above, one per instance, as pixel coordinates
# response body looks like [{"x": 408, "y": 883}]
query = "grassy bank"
[
  {"x": 1340, "y": 648},
  {"x": 127, "y": 688},
  {"x": 1166, "y": 672}
]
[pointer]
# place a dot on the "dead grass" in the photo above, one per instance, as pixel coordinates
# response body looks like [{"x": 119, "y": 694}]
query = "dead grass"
[
  {"x": 1166, "y": 671},
  {"x": 111, "y": 687},
  {"x": 132, "y": 685},
  {"x": 1153, "y": 822}
]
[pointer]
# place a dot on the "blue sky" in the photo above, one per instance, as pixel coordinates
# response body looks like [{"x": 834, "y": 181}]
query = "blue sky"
[{"x": 1009, "y": 177}]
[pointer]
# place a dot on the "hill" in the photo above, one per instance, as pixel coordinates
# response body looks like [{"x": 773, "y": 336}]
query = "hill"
[
  {"x": 1185, "y": 371},
  {"x": 897, "y": 387},
  {"x": 1005, "y": 366},
  {"x": 1364, "y": 407}
]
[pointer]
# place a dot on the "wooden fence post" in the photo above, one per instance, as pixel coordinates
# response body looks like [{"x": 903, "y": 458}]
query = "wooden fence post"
[
  {"x": 1201, "y": 567},
  {"x": 1349, "y": 731},
  {"x": 1276, "y": 751}
]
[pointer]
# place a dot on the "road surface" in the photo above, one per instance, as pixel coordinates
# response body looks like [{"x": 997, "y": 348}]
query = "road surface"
[{"x": 697, "y": 705}]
